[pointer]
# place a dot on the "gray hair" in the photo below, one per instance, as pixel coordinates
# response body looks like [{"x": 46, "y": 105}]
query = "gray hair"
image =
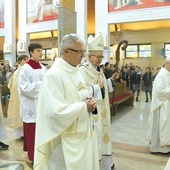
[
  {"x": 167, "y": 60},
  {"x": 69, "y": 39}
]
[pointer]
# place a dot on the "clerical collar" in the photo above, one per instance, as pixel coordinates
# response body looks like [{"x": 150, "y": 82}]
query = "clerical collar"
[
  {"x": 72, "y": 65},
  {"x": 34, "y": 64}
]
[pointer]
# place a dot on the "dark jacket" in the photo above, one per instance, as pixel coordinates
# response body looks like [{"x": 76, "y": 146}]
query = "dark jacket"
[
  {"x": 147, "y": 79},
  {"x": 136, "y": 78},
  {"x": 125, "y": 76}
]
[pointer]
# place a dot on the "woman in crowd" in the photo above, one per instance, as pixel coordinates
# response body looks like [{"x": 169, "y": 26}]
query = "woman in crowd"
[
  {"x": 107, "y": 71},
  {"x": 136, "y": 80},
  {"x": 147, "y": 83}
]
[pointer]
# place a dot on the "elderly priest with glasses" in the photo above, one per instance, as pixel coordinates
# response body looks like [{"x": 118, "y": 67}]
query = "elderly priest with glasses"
[
  {"x": 98, "y": 87},
  {"x": 66, "y": 137}
]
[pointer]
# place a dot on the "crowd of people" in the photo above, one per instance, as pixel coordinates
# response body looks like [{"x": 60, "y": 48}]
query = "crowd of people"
[
  {"x": 72, "y": 130},
  {"x": 136, "y": 79}
]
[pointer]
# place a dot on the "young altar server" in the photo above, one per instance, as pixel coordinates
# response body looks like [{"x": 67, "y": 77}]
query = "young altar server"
[
  {"x": 30, "y": 77},
  {"x": 98, "y": 86},
  {"x": 65, "y": 132}
]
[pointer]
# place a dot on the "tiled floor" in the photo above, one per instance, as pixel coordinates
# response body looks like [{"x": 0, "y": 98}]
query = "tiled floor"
[{"x": 129, "y": 136}]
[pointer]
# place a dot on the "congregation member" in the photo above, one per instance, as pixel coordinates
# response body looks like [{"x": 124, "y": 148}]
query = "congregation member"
[
  {"x": 66, "y": 136},
  {"x": 6, "y": 70},
  {"x": 113, "y": 68},
  {"x": 107, "y": 71},
  {"x": 29, "y": 80},
  {"x": 2, "y": 78},
  {"x": 14, "y": 117},
  {"x": 125, "y": 76},
  {"x": 157, "y": 71},
  {"x": 159, "y": 118},
  {"x": 147, "y": 83},
  {"x": 136, "y": 82},
  {"x": 96, "y": 81}
]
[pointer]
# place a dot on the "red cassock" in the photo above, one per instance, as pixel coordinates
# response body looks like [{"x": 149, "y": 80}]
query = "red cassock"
[{"x": 29, "y": 128}]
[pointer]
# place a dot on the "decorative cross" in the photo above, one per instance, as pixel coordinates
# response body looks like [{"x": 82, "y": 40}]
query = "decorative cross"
[{"x": 30, "y": 113}]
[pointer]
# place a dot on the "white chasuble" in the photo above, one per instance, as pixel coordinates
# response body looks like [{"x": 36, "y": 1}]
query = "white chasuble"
[
  {"x": 159, "y": 118},
  {"x": 91, "y": 75},
  {"x": 65, "y": 131},
  {"x": 14, "y": 119}
]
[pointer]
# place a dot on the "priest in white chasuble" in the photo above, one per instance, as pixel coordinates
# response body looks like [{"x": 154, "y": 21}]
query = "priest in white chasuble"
[
  {"x": 159, "y": 117},
  {"x": 98, "y": 87},
  {"x": 14, "y": 118},
  {"x": 66, "y": 137}
]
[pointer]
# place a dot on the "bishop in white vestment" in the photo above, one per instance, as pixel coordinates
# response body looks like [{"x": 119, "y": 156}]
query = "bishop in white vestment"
[{"x": 94, "y": 77}]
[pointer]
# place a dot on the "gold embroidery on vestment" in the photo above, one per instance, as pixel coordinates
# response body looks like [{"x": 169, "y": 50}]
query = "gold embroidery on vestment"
[
  {"x": 91, "y": 77},
  {"x": 105, "y": 122},
  {"x": 81, "y": 86},
  {"x": 73, "y": 128}
]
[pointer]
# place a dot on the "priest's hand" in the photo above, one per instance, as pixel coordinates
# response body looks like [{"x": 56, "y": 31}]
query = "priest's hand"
[
  {"x": 91, "y": 104},
  {"x": 100, "y": 82}
]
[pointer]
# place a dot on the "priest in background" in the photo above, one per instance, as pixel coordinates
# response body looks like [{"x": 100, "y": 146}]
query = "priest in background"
[
  {"x": 14, "y": 118},
  {"x": 98, "y": 87},
  {"x": 159, "y": 117},
  {"x": 65, "y": 131},
  {"x": 29, "y": 80}
]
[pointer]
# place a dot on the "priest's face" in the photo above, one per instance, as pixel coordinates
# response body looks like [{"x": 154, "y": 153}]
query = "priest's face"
[
  {"x": 167, "y": 66},
  {"x": 96, "y": 58},
  {"x": 74, "y": 54}
]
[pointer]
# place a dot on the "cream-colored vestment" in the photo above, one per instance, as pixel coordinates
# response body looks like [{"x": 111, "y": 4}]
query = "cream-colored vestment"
[
  {"x": 91, "y": 75},
  {"x": 14, "y": 118},
  {"x": 65, "y": 131},
  {"x": 159, "y": 118}
]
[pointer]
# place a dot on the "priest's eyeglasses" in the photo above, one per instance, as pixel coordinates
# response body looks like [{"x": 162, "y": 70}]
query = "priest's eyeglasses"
[
  {"x": 98, "y": 56},
  {"x": 77, "y": 51}
]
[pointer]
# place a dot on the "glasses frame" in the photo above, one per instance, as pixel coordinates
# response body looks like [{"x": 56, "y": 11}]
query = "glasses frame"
[
  {"x": 97, "y": 56},
  {"x": 77, "y": 51}
]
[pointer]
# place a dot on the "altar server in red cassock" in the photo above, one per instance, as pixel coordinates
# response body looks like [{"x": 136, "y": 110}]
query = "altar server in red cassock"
[{"x": 30, "y": 77}]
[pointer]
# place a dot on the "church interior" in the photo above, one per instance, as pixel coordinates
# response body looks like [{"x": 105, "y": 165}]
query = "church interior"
[{"x": 129, "y": 126}]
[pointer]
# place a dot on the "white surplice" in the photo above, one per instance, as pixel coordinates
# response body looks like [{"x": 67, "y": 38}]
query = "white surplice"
[
  {"x": 29, "y": 81},
  {"x": 159, "y": 118},
  {"x": 91, "y": 75},
  {"x": 65, "y": 131}
]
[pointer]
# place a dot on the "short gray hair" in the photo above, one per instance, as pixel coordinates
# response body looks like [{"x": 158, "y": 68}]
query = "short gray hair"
[
  {"x": 167, "y": 60},
  {"x": 69, "y": 39}
]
